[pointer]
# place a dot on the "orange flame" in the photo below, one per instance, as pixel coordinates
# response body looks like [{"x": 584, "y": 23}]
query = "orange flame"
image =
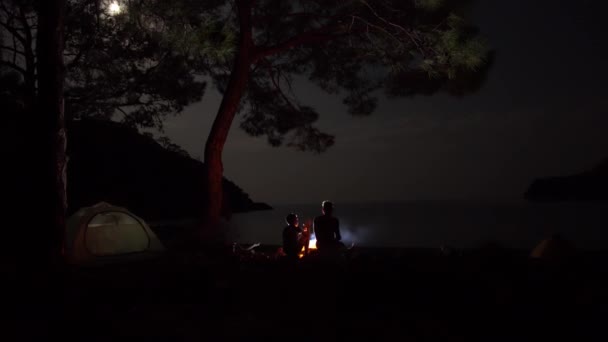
[{"x": 312, "y": 242}]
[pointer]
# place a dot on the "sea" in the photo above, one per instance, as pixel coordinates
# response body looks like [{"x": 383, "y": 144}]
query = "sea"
[{"x": 434, "y": 224}]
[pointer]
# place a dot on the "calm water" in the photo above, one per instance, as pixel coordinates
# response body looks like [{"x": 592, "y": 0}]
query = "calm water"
[{"x": 432, "y": 224}]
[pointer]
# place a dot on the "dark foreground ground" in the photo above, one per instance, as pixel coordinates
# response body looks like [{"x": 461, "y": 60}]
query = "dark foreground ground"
[{"x": 408, "y": 295}]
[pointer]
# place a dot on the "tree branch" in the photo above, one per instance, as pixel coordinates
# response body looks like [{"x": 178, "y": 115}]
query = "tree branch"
[
  {"x": 9, "y": 14},
  {"x": 14, "y": 67},
  {"x": 29, "y": 38},
  {"x": 26, "y": 26},
  {"x": 277, "y": 86},
  {"x": 122, "y": 111},
  {"x": 395, "y": 25},
  {"x": 76, "y": 60},
  {"x": 14, "y": 32},
  {"x": 289, "y": 85},
  {"x": 315, "y": 36},
  {"x": 13, "y": 50},
  {"x": 260, "y": 19},
  {"x": 149, "y": 70},
  {"x": 377, "y": 27}
]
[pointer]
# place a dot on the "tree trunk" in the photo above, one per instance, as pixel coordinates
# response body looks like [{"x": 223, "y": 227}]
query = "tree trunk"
[
  {"x": 225, "y": 115},
  {"x": 51, "y": 142}
]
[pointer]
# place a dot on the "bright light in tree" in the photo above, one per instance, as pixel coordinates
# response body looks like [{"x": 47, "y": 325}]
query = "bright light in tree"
[{"x": 114, "y": 8}]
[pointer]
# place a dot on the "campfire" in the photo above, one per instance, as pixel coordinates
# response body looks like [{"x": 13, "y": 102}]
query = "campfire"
[{"x": 312, "y": 243}]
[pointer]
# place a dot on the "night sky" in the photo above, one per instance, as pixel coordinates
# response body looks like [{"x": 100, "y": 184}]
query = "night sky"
[{"x": 543, "y": 112}]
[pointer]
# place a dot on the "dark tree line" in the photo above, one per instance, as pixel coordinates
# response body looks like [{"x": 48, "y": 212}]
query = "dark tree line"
[{"x": 32, "y": 89}]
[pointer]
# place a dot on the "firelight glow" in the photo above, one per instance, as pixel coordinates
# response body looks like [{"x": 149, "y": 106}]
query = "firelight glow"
[
  {"x": 312, "y": 244},
  {"x": 114, "y": 8}
]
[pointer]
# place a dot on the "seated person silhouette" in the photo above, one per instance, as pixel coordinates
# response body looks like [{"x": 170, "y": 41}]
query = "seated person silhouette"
[
  {"x": 327, "y": 230},
  {"x": 293, "y": 237}
]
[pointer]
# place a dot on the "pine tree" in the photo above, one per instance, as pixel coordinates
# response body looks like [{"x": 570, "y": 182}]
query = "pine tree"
[{"x": 349, "y": 48}]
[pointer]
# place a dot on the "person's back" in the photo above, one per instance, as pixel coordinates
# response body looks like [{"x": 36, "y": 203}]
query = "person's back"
[{"x": 327, "y": 228}]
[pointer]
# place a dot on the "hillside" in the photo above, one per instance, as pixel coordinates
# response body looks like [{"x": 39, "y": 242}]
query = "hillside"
[{"x": 113, "y": 163}]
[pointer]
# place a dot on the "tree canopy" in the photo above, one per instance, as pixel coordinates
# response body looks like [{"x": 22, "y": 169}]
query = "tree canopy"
[
  {"x": 354, "y": 49},
  {"x": 149, "y": 61},
  {"x": 134, "y": 66},
  {"x": 136, "y": 63}
]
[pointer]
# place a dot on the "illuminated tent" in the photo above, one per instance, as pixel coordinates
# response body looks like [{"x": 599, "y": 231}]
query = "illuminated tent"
[{"x": 105, "y": 233}]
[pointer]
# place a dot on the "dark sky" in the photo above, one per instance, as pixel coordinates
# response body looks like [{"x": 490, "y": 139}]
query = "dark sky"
[{"x": 542, "y": 112}]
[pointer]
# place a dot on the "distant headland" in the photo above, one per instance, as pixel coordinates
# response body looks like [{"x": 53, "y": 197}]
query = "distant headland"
[{"x": 591, "y": 185}]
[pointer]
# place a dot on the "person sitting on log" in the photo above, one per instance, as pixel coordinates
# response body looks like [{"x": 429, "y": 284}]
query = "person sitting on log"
[{"x": 294, "y": 239}]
